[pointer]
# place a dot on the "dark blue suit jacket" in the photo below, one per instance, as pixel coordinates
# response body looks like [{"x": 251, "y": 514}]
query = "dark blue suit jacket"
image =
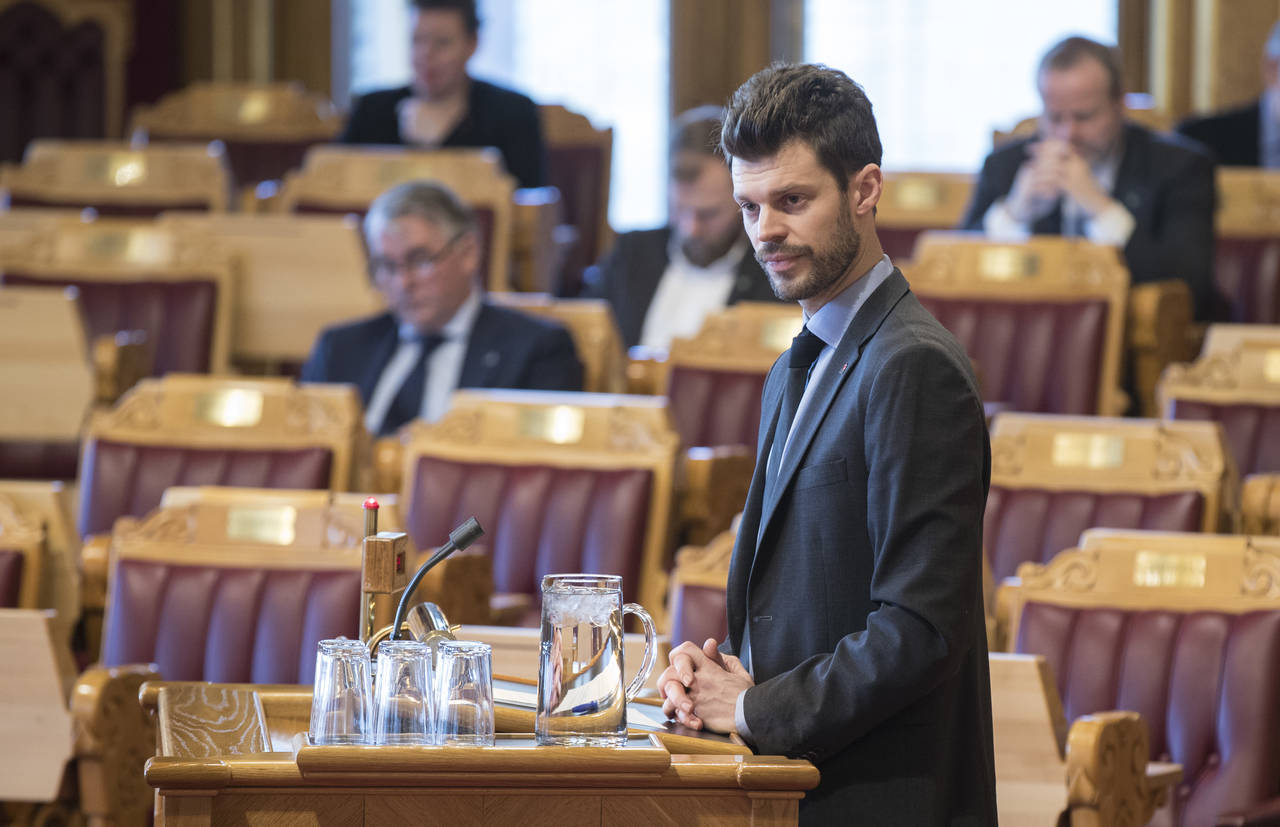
[
  {"x": 1233, "y": 137},
  {"x": 864, "y": 590},
  {"x": 1165, "y": 181},
  {"x": 507, "y": 349}
]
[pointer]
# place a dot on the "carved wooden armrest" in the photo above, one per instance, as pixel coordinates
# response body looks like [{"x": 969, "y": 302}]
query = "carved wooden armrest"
[
  {"x": 1108, "y": 782},
  {"x": 95, "y": 556},
  {"x": 114, "y": 737},
  {"x": 1260, "y": 504},
  {"x": 119, "y": 361},
  {"x": 1159, "y": 316},
  {"x": 535, "y": 254},
  {"x": 388, "y": 464},
  {"x": 646, "y": 370},
  {"x": 716, "y": 482},
  {"x": 1266, "y": 814}
]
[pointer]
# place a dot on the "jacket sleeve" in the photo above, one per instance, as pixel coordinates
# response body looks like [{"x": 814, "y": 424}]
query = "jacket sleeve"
[
  {"x": 925, "y": 446},
  {"x": 985, "y": 193},
  {"x": 553, "y": 363},
  {"x": 316, "y": 368}
]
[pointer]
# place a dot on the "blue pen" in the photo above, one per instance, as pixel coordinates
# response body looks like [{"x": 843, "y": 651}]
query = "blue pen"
[{"x": 586, "y": 709}]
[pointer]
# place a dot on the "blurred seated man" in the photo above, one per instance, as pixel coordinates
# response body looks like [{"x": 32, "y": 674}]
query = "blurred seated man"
[
  {"x": 439, "y": 334},
  {"x": 443, "y": 106},
  {"x": 661, "y": 283},
  {"x": 1089, "y": 173},
  {"x": 1248, "y": 136}
]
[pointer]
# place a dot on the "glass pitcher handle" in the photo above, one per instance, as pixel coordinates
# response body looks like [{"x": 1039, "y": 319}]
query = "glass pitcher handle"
[{"x": 650, "y": 649}]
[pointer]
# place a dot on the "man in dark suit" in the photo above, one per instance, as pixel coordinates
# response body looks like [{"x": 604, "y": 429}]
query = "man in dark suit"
[
  {"x": 662, "y": 283},
  {"x": 443, "y": 106},
  {"x": 1248, "y": 136},
  {"x": 856, "y": 632},
  {"x": 439, "y": 333},
  {"x": 1090, "y": 174}
]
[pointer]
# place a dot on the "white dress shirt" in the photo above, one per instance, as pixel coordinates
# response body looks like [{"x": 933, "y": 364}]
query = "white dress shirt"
[
  {"x": 444, "y": 367},
  {"x": 687, "y": 293}
]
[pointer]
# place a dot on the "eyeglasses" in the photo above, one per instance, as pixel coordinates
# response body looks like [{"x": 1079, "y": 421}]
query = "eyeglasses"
[{"x": 418, "y": 261}]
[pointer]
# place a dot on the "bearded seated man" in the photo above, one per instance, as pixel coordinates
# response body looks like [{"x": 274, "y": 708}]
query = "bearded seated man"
[{"x": 439, "y": 333}]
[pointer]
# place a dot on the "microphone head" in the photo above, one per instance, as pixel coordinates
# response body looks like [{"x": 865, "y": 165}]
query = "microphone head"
[{"x": 466, "y": 534}]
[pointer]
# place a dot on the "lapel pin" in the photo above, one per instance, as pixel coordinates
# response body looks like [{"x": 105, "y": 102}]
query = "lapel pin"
[{"x": 843, "y": 368}]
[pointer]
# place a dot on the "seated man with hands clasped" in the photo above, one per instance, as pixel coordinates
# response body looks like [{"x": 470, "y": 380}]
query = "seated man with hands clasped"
[
  {"x": 856, "y": 631},
  {"x": 439, "y": 333}
]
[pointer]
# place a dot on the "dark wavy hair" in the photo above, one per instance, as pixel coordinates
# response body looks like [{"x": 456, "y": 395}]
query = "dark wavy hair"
[
  {"x": 803, "y": 101},
  {"x": 466, "y": 8}
]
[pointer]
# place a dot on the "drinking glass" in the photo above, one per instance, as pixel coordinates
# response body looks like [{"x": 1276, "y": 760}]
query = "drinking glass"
[
  {"x": 402, "y": 697},
  {"x": 464, "y": 694},
  {"x": 341, "y": 700},
  {"x": 582, "y": 700}
]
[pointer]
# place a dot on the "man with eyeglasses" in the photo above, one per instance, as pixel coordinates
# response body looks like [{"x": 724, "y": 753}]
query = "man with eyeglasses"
[{"x": 438, "y": 333}]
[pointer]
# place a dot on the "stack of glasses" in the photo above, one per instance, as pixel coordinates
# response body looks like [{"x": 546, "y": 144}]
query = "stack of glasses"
[{"x": 412, "y": 700}]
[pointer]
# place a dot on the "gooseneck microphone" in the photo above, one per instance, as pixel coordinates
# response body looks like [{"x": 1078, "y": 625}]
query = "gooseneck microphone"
[{"x": 461, "y": 537}]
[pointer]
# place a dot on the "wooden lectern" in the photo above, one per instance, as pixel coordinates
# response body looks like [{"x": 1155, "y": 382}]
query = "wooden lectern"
[{"x": 234, "y": 754}]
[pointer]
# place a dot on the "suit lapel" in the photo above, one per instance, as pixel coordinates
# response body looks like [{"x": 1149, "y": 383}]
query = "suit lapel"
[
  {"x": 367, "y": 376},
  {"x": 1132, "y": 176},
  {"x": 847, "y": 352},
  {"x": 484, "y": 355}
]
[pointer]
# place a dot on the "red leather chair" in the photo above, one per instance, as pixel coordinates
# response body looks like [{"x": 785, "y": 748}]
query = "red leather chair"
[
  {"x": 915, "y": 202},
  {"x": 697, "y": 598},
  {"x": 192, "y": 430},
  {"x": 1043, "y": 320},
  {"x": 1233, "y": 382},
  {"x": 1052, "y": 477},
  {"x": 579, "y": 160},
  {"x": 1247, "y": 250},
  {"x": 64, "y": 74},
  {"x": 1179, "y": 629},
  {"x": 561, "y": 482}
]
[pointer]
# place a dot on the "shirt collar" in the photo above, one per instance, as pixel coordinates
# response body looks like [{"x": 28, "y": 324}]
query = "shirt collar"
[
  {"x": 457, "y": 329},
  {"x": 834, "y": 317}
]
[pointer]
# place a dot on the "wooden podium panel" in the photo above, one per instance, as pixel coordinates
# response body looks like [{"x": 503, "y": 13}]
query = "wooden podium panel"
[
  {"x": 210, "y": 769},
  {"x": 35, "y": 727}
]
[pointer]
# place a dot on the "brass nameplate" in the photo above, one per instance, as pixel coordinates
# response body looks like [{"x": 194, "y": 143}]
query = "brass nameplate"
[
  {"x": 254, "y": 108},
  {"x": 117, "y": 169},
  {"x": 230, "y": 408},
  {"x": 1088, "y": 451},
  {"x": 560, "y": 424},
  {"x": 1159, "y": 570},
  {"x": 778, "y": 333},
  {"x": 917, "y": 194},
  {"x": 1271, "y": 366},
  {"x": 272, "y": 525},
  {"x": 1007, "y": 264}
]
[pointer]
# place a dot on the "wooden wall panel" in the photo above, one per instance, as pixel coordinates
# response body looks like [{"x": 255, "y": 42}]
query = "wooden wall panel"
[
  {"x": 715, "y": 46},
  {"x": 1169, "y": 52},
  {"x": 1229, "y": 36}
]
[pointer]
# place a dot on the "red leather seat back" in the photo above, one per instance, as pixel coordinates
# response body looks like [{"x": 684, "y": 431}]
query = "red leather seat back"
[
  {"x": 1024, "y": 525},
  {"x": 1206, "y": 683},
  {"x": 232, "y": 625},
  {"x": 1038, "y": 357},
  {"x": 537, "y": 519},
  {"x": 53, "y": 76},
  {"x": 1253, "y": 431},
  {"x": 251, "y": 161},
  {"x": 178, "y": 316},
  {"x": 121, "y": 479},
  {"x": 11, "y": 567},
  {"x": 1247, "y": 272},
  {"x": 714, "y": 407},
  {"x": 697, "y": 613},
  {"x": 38, "y": 460},
  {"x": 483, "y": 215},
  {"x": 577, "y": 171},
  {"x": 899, "y": 243}
]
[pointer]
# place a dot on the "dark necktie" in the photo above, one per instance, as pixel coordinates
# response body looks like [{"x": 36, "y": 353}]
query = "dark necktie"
[
  {"x": 407, "y": 403},
  {"x": 804, "y": 351}
]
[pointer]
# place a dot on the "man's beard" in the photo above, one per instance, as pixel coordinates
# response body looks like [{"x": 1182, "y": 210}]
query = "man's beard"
[
  {"x": 705, "y": 253},
  {"x": 828, "y": 265}
]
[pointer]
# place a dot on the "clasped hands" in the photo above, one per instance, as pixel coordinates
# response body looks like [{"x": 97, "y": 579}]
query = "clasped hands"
[
  {"x": 1053, "y": 170},
  {"x": 701, "y": 686}
]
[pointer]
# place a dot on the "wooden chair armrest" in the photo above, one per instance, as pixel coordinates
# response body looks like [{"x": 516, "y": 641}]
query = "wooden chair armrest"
[
  {"x": 388, "y": 464},
  {"x": 114, "y": 737},
  {"x": 119, "y": 361},
  {"x": 1159, "y": 316},
  {"x": 715, "y": 489},
  {"x": 1260, "y": 504},
  {"x": 1266, "y": 814},
  {"x": 646, "y": 371},
  {"x": 95, "y": 562},
  {"x": 1107, "y": 774}
]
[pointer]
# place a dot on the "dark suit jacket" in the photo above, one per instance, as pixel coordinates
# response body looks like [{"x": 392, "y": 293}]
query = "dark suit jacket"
[
  {"x": 864, "y": 592},
  {"x": 1233, "y": 137},
  {"x": 495, "y": 117},
  {"x": 1166, "y": 182},
  {"x": 628, "y": 278},
  {"x": 507, "y": 349}
]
